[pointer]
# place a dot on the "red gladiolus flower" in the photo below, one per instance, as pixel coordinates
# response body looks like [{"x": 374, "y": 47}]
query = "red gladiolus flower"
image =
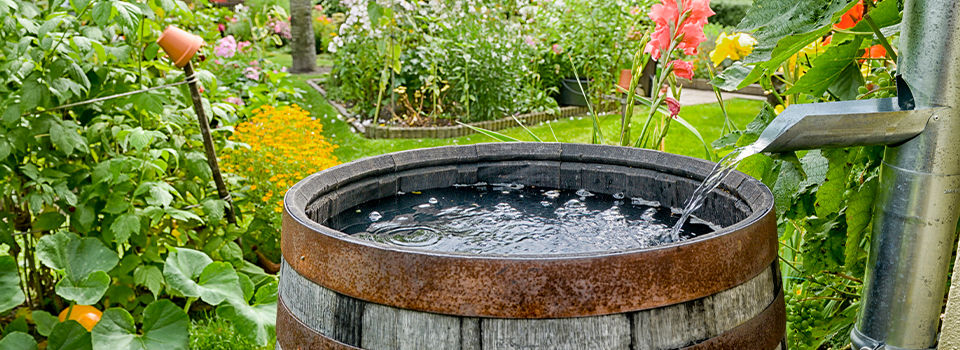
[
  {"x": 851, "y": 17},
  {"x": 682, "y": 69},
  {"x": 667, "y": 17},
  {"x": 875, "y": 51},
  {"x": 673, "y": 105}
]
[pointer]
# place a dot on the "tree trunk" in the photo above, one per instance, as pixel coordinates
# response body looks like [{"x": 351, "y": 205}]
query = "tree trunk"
[{"x": 303, "y": 44}]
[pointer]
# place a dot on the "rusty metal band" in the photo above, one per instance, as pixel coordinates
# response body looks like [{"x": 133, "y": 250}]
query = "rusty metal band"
[
  {"x": 293, "y": 334},
  {"x": 764, "y": 331},
  {"x": 529, "y": 287}
]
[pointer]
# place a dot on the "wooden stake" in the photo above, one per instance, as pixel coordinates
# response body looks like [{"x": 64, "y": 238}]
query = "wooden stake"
[{"x": 208, "y": 143}]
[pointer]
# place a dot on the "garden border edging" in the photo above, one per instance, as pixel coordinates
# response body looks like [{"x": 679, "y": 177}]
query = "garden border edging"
[{"x": 389, "y": 132}]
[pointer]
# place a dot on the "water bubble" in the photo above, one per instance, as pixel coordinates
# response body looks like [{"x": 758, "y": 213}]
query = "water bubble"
[
  {"x": 618, "y": 195},
  {"x": 643, "y": 202},
  {"x": 552, "y": 194},
  {"x": 545, "y": 203},
  {"x": 432, "y": 200},
  {"x": 424, "y": 205},
  {"x": 374, "y": 216},
  {"x": 584, "y": 193}
]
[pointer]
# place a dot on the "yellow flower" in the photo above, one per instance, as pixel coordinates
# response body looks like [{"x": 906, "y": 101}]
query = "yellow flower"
[
  {"x": 734, "y": 47},
  {"x": 778, "y": 109}
]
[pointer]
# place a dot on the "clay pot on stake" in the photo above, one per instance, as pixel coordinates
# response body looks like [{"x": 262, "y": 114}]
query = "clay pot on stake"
[{"x": 181, "y": 47}]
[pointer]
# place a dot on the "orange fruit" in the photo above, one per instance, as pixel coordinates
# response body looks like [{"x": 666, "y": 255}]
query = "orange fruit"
[{"x": 86, "y": 315}]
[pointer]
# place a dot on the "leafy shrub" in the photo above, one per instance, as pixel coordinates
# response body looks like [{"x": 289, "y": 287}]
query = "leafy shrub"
[
  {"x": 122, "y": 185},
  {"x": 729, "y": 13}
]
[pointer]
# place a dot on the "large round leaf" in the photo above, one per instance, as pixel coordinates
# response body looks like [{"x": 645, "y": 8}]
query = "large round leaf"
[
  {"x": 193, "y": 274},
  {"x": 10, "y": 293},
  {"x": 256, "y": 322},
  {"x": 18, "y": 341},
  {"x": 69, "y": 335},
  {"x": 87, "y": 291},
  {"x": 77, "y": 257},
  {"x": 164, "y": 328}
]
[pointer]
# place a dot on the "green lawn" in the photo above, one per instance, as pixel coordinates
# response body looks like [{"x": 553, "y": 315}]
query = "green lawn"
[
  {"x": 283, "y": 58},
  {"x": 707, "y": 118}
]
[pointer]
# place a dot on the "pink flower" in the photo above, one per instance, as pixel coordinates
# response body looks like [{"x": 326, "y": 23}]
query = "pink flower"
[
  {"x": 226, "y": 47},
  {"x": 221, "y": 27},
  {"x": 667, "y": 16},
  {"x": 556, "y": 49},
  {"x": 318, "y": 8},
  {"x": 673, "y": 105},
  {"x": 217, "y": 61},
  {"x": 682, "y": 69},
  {"x": 252, "y": 73},
  {"x": 528, "y": 39},
  {"x": 243, "y": 45},
  {"x": 235, "y": 100}
]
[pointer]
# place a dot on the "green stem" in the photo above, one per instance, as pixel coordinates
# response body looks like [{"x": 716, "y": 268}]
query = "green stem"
[
  {"x": 881, "y": 38},
  {"x": 186, "y": 307}
]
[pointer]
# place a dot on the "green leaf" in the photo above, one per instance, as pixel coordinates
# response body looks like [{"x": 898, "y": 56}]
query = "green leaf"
[
  {"x": 858, "y": 214},
  {"x": 149, "y": 276},
  {"x": 102, "y": 12},
  {"x": 255, "y": 322},
  {"x": 86, "y": 291},
  {"x": 18, "y": 341},
  {"x": 828, "y": 68},
  {"x": 83, "y": 217},
  {"x": 784, "y": 27},
  {"x": 78, "y": 257},
  {"x": 32, "y": 94},
  {"x": 64, "y": 136},
  {"x": 165, "y": 327},
  {"x": 215, "y": 209},
  {"x": 128, "y": 15},
  {"x": 124, "y": 226},
  {"x": 10, "y": 293},
  {"x": 786, "y": 185},
  {"x": 69, "y": 335},
  {"x": 730, "y": 78},
  {"x": 193, "y": 274},
  {"x": 48, "y": 221},
  {"x": 45, "y": 322},
  {"x": 78, "y": 5},
  {"x": 830, "y": 193}
]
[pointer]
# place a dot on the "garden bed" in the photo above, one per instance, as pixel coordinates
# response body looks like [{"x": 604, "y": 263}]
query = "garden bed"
[{"x": 394, "y": 132}]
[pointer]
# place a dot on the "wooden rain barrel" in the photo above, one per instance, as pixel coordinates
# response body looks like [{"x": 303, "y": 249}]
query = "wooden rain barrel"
[{"x": 716, "y": 291}]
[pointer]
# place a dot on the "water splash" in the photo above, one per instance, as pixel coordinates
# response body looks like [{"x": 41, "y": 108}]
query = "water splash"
[{"x": 724, "y": 167}]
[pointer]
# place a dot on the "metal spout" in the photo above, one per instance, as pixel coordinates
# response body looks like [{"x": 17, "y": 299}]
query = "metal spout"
[{"x": 843, "y": 124}]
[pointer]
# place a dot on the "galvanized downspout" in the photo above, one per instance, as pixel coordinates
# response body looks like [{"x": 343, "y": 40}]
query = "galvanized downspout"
[
  {"x": 915, "y": 221},
  {"x": 915, "y": 218}
]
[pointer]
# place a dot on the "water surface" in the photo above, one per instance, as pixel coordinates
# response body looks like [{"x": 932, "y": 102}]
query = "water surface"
[{"x": 513, "y": 219}]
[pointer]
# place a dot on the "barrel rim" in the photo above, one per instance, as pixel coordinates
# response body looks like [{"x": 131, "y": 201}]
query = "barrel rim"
[{"x": 420, "y": 279}]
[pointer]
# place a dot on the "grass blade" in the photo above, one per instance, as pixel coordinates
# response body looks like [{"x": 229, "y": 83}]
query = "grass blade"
[
  {"x": 535, "y": 137},
  {"x": 493, "y": 134}
]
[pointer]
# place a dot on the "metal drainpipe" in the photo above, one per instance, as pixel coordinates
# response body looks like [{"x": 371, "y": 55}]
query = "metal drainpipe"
[{"x": 915, "y": 221}]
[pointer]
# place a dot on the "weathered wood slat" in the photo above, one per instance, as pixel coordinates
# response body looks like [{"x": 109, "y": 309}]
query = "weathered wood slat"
[
  {"x": 684, "y": 324},
  {"x": 610, "y": 332},
  {"x": 378, "y": 327}
]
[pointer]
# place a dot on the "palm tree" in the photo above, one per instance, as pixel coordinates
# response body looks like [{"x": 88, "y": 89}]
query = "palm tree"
[{"x": 303, "y": 43}]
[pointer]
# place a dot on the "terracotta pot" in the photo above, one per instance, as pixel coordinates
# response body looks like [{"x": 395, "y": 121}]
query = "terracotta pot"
[
  {"x": 179, "y": 45},
  {"x": 625, "y": 76}
]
